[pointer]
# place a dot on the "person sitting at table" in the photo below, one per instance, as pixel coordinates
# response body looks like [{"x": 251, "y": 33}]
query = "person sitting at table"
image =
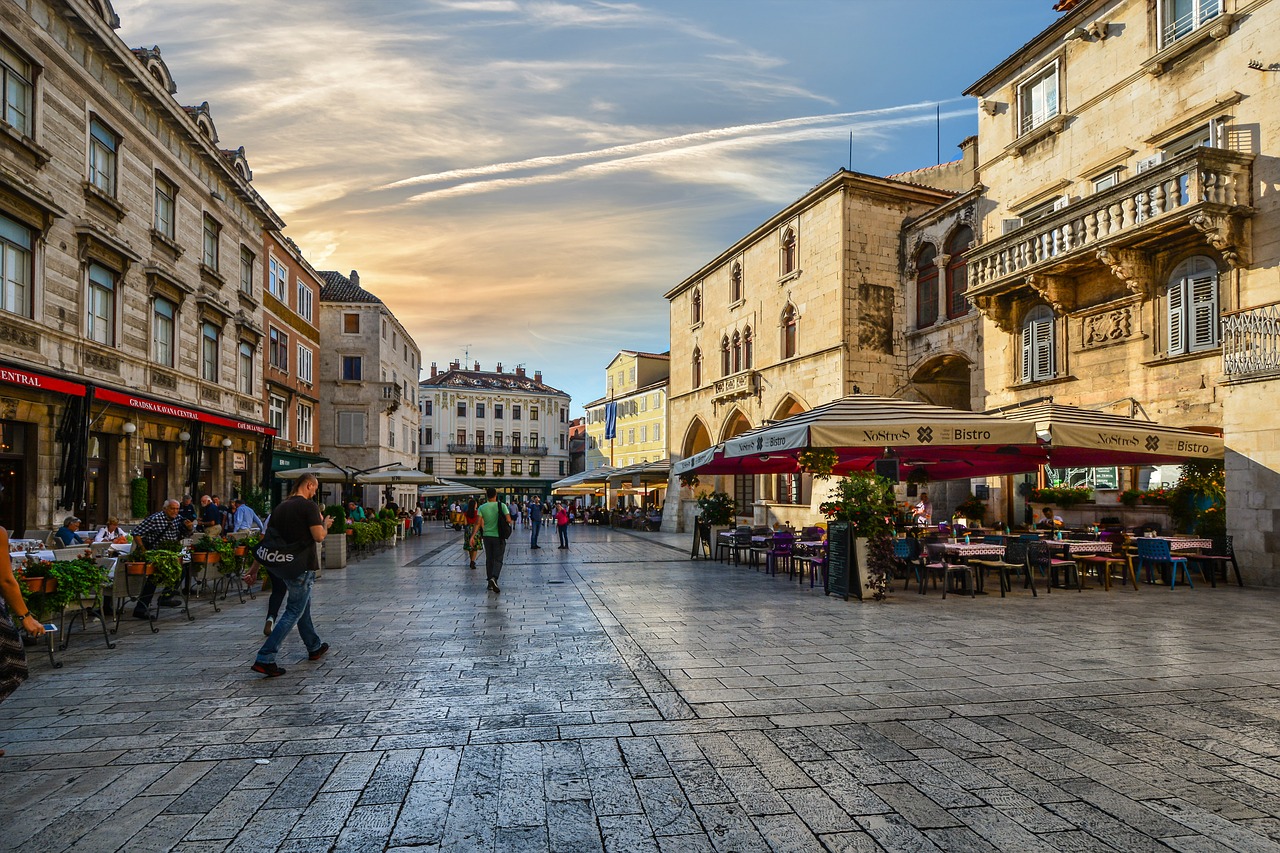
[
  {"x": 1049, "y": 521},
  {"x": 111, "y": 532},
  {"x": 67, "y": 535},
  {"x": 243, "y": 517},
  {"x": 923, "y": 510}
]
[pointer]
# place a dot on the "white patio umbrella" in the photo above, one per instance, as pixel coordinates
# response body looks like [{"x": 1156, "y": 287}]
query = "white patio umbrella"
[
  {"x": 326, "y": 473},
  {"x": 448, "y": 488},
  {"x": 397, "y": 476}
]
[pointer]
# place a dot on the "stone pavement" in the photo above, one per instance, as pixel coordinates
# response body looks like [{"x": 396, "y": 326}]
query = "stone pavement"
[{"x": 619, "y": 697}]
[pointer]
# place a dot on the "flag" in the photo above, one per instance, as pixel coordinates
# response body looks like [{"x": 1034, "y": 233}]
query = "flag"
[{"x": 610, "y": 420}]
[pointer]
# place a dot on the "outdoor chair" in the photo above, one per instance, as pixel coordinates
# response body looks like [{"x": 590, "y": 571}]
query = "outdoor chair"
[
  {"x": 1103, "y": 563},
  {"x": 906, "y": 558},
  {"x": 1220, "y": 554},
  {"x": 723, "y": 545},
  {"x": 811, "y": 554},
  {"x": 812, "y": 534},
  {"x": 779, "y": 554},
  {"x": 756, "y": 550},
  {"x": 1153, "y": 553},
  {"x": 1014, "y": 560},
  {"x": 70, "y": 553},
  {"x": 741, "y": 544},
  {"x": 937, "y": 566}
]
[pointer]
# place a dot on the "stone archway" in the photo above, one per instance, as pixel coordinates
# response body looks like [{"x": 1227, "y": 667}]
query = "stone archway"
[
  {"x": 735, "y": 424},
  {"x": 945, "y": 380},
  {"x": 696, "y": 439}
]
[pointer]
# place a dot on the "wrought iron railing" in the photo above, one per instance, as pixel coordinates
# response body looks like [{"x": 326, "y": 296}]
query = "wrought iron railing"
[{"x": 1251, "y": 341}]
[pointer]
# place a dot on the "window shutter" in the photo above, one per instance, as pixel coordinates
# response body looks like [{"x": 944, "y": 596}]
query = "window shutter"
[
  {"x": 1027, "y": 347},
  {"x": 1177, "y": 319},
  {"x": 1042, "y": 330},
  {"x": 1203, "y": 315}
]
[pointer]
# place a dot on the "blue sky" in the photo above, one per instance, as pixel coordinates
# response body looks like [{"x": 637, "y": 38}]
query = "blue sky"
[{"x": 522, "y": 180}]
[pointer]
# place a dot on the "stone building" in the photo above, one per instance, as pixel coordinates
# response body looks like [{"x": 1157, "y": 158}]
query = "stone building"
[
  {"x": 637, "y": 382},
  {"x": 130, "y": 311},
  {"x": 291, "y": 376},
  {"x": 494, "y": 428},
  {"x": 368, "y": 386},
  {"x": 804, "y": 309},
  {"x": 1127, "y": 241}
]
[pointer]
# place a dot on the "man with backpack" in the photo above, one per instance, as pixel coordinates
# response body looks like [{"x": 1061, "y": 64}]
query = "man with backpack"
[{"x": 495, "y": 527}]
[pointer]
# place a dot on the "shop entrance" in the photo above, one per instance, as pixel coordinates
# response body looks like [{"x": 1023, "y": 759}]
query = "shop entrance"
[
  {"x": 155, "y": 470},
  {"x": 13, "y": 478},
  {"x": 97, "y": 507}
]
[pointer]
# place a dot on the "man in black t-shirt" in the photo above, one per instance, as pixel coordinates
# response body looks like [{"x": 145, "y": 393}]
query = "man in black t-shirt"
[{"x": 297, "y": 519}]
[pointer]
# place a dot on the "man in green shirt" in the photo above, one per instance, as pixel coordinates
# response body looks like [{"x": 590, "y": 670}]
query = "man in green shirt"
[{"x": 495, "y": 546}]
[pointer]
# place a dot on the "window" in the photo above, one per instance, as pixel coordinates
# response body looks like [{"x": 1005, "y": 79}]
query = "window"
[
  {"x": 726, "y": 363},
  {"x": 1038, "y": 345},
  {"x": 515, "y": 442},
  {"x": 533, "y": 439},
  {"x": 460, "y": 466},
  {"x": 644, "y": 436},
  {"x": 482, "y": 466},
  {"x": 212, "y": 231},
  {"x": 304, "y": 423},
  {"x": 748, "y": 349},
  {"x": 462, "y": 408},
  {"x": 498, "y": 467},
  {"x": 1038, "y": 99},
  {"x": 1106, "y": 180},
  {"x": 696, "y": 365},
  {"x": 277, "y": 277},
  {"x": 737, "y": 352},
  {"x": 426, "y": 407},
  {"x": 562, "y": 467},
  {"x": 1179, "y": 18},
  {"x": 384, "y": 328},
  {"x": 352, "y": 368},
  {"x": 17, "y": 261},
  {"x": 695, "y": 313},
  {"x": 1209, "y": 135},
  {"x": 210, "y": 337},
  {"x": 163, "y": 314},
  {"x": 788, "y": 251},
  {"x": 351, "y": 428},
  {"x": 428, "y": 465},
  {"x": 789, "y": 489},
  {"x": 515, "y": 412},
  {"x": 562, "y": 440},
  {"x": 517, "y": 466},
  {"x": 479, "y": 441},
  {"x": 279, "y": 350},
  {"x": 789, "y": 331},
  {"x": 246, "y": 270},
  {"x": 391, "y": 435},
  {"x": 100, "y": 323},
  {"x": 479, "y": 410},
  {"x": 497, "y": 411},
  {"x": 19, "y": 89},
  {"x": 1192, "y": 300},
  {"x": 535, "y": 467},
  {"x": 735, "y": 284},
  {"x": 245, "y": 357},
  {"x": 533, "y": 413},
  {"x": 166, "y": 206},
  {"x": 305, "y": 363},
  {"x": 631, "y": 435},
  {"x": 350, "y": 324},
  {"x": 462, "y": 437},
  {"x": 276, "y": 415},
  {"x": 428, "y": 437},
  {"x": 657, "y": 432},
  {"x": 103, "y": 145},
  {"x": 497, "y": 438},
  {"x": 958, "y": 272}
]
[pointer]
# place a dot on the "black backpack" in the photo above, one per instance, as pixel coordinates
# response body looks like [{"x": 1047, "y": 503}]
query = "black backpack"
[
  {"x": 284, "y": 559},
  {"x": 504, "y": 526}
]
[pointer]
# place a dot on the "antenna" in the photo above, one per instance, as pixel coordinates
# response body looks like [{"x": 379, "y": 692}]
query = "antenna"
[
  {"x": 851, "y": 151},
  {"x": 466, "y": 356},
  {"x": 938, "y": 122}
]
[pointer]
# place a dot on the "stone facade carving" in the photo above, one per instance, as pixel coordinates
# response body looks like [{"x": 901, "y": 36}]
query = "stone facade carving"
[
  {"x": 98, "y": 361},
  {"x": 163, "y": 380},
  {"x": 1133, "y": 267},
  {"x": 1058, "y": 290},
  {"x": 1108, "y": 327},
  {"x": 19, "y": 337},
  {"x": 998, "y": 308},
  {"x": 1224, "y": 232}
]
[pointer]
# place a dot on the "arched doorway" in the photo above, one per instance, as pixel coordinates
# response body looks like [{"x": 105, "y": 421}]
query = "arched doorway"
[
  {"x": 789, "y": 489},
  {"x": 945, "y": 380},
  {"x": 743, "y": 487},
  {"x": 696, "y": 439}
]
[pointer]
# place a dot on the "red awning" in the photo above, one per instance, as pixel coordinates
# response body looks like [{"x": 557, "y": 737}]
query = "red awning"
[{"x": 145, "y": 404}]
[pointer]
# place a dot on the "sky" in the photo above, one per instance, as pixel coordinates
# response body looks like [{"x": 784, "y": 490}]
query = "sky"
[{"x": 521, "y": 181}]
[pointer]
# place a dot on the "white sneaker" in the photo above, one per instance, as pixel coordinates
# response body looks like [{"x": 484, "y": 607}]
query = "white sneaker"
[{"x": 269, "y": 626}]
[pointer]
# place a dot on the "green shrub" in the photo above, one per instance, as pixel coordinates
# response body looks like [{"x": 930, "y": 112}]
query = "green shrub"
[
  {"x": 716, "y": 508},
  {"x": 339, "y": 516},
  {"x": 139, "y": 497}
]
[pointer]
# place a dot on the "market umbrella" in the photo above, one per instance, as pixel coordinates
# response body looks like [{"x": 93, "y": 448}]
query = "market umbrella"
[
  {"x": 325, "y": 473},
  {"x": 448, "y": 488},
  {"x": 1080, "y": 438},
  {"x": 396, "y": 476},
  {"x": 583, "y": 483},
  {"x": 657, "y": 471}
]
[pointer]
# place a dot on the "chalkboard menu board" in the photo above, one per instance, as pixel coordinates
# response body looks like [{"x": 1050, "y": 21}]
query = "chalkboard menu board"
[
  {"x": 701, "y": 540},
  {"x": 838, "y": 559}
]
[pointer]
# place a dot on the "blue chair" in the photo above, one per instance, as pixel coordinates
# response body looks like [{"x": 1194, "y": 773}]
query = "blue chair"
[
  {"x": 906, "y": 556},
  {"x": 1155, "y": 552}
]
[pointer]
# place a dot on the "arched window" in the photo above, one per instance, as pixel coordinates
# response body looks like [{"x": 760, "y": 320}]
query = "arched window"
[
  {"x": 697, "y": 368},
  {"x": 737, "y": 352},
  {"x": 1037, "y": 345},
  {"x": 789, "y": 331},
  {"x": 696, "y": 313},
  {"x": 735, "y": 284},
  {"x": 926, "y": 286},
  {"x": 748, "y": 349},
  {"x": 788, "y": 251},
  {"x": 1192, "y": 306},
  {"x": 958, "y": 271},
  {"x": 724, "y": 356}
]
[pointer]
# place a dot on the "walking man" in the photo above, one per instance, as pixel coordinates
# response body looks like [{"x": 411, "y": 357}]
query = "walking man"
[
  {"x": 495, "y": 546},
  {"x": 535, "y": 523},
  {"x": 296, "y": 519}
]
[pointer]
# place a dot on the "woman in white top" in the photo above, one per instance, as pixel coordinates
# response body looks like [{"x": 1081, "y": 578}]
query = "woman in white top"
[{"x": 111, "y": 532}]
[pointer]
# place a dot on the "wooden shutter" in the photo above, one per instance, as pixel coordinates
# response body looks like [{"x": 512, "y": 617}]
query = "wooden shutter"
[
  {"x": 1027, "y": 349},
  {"x": 1043, "y": 333},
  {"x": 1202, "y": 317},
  {"x": 1177, "y": 318}
]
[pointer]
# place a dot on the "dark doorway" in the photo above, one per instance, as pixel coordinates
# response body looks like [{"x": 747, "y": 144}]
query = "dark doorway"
[
  {"x": 155, "y": 470},
  {"x": 97, "y": 493},
  {"x": 13, "y": 477}
]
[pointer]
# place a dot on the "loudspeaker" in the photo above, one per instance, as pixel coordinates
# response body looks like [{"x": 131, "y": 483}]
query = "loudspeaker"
[{"x": 887, "y": 468}]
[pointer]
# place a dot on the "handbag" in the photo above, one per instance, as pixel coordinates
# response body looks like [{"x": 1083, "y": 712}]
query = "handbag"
[
  {"x": 504, "y": 526},
  {"x": 286, "y": 560}
]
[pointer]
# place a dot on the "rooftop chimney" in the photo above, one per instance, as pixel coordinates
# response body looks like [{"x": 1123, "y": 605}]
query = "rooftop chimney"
[
  {"x": 499, "y": 367},
  {"x": 355, "y": 278},
  {"x": 433, "y": 370},
  {"x": 537, "y": 376},
  {"x": 519, "y": 370},
  {"x": 454, "y": 365},
  {"x": 477, "y": 367}
]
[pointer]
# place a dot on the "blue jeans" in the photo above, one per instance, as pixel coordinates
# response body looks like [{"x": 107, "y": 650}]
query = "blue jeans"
[
  {"x": 296, "y": 612},
  {"x": 533, "y": 534},
  {"x": 563, "y": 530}
]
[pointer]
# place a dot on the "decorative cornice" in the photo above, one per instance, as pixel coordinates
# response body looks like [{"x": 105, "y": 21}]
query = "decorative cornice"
[
  {"x": 1058, "y": 290},
  {"x": 1133, "y": 267}
]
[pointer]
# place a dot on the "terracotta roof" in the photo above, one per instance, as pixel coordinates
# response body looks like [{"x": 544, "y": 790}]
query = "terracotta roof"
[
  {"x": 1065, "y": 5},
  {"x": 481, "y": 379},
  {"x": 338, "y": 288},
  {"x": 666, "y": 355}
]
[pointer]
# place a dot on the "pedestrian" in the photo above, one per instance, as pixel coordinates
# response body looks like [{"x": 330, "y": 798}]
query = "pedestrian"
[
  {"x": 112, "y": 532},
  {"x": 535, "y": 523},
  {"x": 243, "y": 517},
  {"x": 470, "y": 523},
  {"x": 562, "y": 524},
  {"x": 14, "y": 617},
  {"x": 417, "y": 521},
  {"x": 495, "y": 546},
  {"x": 165, "y": 526},
  {"x": 298, "y": 522},
  {"x": 187, "y": 509}
]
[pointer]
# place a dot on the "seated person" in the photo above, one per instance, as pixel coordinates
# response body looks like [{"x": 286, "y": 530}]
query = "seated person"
[
  {"x": 67, "y": 535},
  {"x": 1049, "y": 521},
  {"x": 111, "y": 532},
  {"x": 923, "y": 510}
]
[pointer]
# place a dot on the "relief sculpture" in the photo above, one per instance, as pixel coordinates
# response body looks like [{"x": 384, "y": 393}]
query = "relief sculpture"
[{"x": 1105, "y": 328}]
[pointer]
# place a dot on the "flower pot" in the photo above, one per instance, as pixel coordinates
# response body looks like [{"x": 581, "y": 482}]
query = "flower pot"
[
  {"x": 241, "y": 550},
  {"x": 139, "y": 569},
  {"x": 42, "y": 584},
  {"x": 205, "y": 557}
]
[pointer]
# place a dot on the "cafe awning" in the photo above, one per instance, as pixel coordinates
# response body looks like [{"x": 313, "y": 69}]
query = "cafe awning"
[
  {"x": 325, "y": 472},
  {"x": 1078, "y": 438},
  {"x": 584, "y": 482},
  {"x": 642, "y": 473},
  {"x": 398, "y": 475}
]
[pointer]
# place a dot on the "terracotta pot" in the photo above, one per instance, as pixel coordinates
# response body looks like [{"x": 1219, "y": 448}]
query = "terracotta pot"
[
  {"x": 241, "y": 550},
  {"x": 205, "y": 557},
  {"x": 42, "y": 584},
  {"x": 139, "y": 569}
]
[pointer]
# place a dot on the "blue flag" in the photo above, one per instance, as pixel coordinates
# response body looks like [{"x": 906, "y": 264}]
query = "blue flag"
[{"x": 610, "y": 420}]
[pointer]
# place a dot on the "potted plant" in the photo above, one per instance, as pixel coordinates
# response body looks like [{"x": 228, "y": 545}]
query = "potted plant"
[
  {"x": 139, "y": 497},
  {"x": 333, "y": 554},
  {"x": 860, "y": 514},
  {"x": 166, "y": 566},
  {"x": 78, "y": 580},
  {"x": 688, "y": 481},
  {"x": 211, "y": 549},
  {"x": 972, "y": 509},
  {"x": 818, "y": 461},
  {"x": 37, "y": 577},
  {"x": 1200, "y": 491}
]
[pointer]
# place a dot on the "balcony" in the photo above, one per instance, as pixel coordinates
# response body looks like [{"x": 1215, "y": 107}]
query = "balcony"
[
  {"x": 461, "y": 448},
  {"x": 1205, "y": 192},
  {"x": 1251, "y": 342},
  {"x": 741, "y": 384}
]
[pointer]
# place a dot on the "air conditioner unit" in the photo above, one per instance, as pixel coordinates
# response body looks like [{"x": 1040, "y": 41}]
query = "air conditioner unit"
[
  {"x": 1150, "y": 162},
  {"x": 1007, "y": 225}
]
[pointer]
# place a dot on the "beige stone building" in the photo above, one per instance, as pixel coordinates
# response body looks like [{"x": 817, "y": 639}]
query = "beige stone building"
[
  {"x": 804, "y": 309},
  {"x": 1127, "y": 240},
  {"x": 369, "y": 370},
  {"x": 130, "y": 307},
  {"x": 637, "y": 382}
]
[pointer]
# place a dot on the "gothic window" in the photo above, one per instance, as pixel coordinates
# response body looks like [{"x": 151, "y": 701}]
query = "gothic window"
[
  {"x": 748, "y": 349},
  {"x": 788, "y": 251},
  {"x": 725, "y": 362},
  {"x": 696, "y": 314},
  {"x": 789, "y": 331},
  {"x": 737, "y": 352},
  {"x": 926, "y": 286},
  {"x": 957, "y": 272},
  {"x": 735, "y": 284},
  {"x": 697, "y": 368}
]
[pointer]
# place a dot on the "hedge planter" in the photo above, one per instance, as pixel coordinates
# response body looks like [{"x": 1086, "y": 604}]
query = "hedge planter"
[
  {"x": 139, "y": 569},
  {"x": 45, "y": 585},
  {"x": 334, "y": 552}
]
